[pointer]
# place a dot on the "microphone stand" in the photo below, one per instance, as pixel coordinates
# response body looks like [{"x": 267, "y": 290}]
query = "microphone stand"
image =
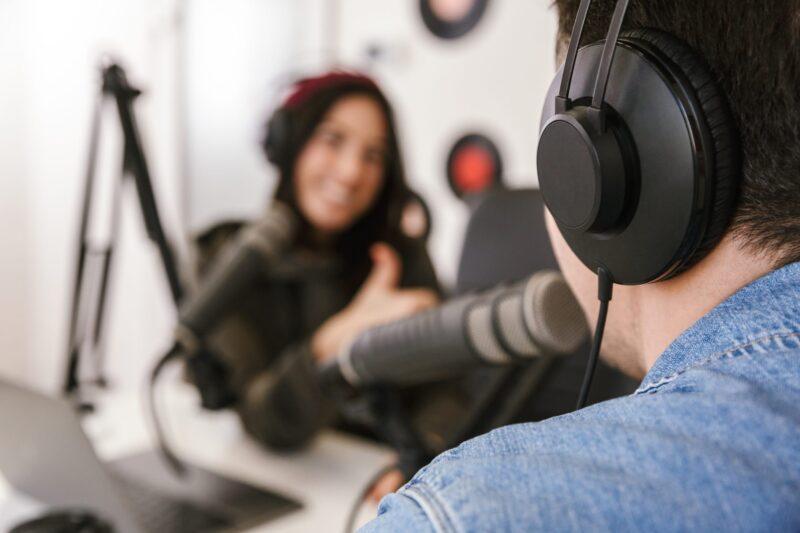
[
  {"x": 382, "y": 410},
  {"x": 115, "y": 87},
  {"x": 394, "y": 425}
]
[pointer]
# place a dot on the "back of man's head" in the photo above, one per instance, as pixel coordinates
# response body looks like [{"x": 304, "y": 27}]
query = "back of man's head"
[{"x": 753, "y": 48}]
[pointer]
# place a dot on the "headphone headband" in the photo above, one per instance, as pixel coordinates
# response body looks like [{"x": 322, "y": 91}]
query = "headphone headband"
[
  {"x": 638, "y": 159},
  {"x": 596, "y": 112}
]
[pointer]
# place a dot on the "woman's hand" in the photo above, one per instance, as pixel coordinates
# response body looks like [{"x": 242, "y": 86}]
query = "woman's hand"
[
  {"x": 388, "y": 483},
  {"x": 378, "y": 301}
]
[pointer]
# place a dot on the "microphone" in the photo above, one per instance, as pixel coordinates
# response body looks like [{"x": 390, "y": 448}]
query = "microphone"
[
  {"x": 536, "y": 317},
  {"x": 256, "y": 248}
]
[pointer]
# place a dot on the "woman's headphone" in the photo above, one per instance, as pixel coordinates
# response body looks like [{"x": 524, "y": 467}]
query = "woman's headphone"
[{"x": 638, "y": 156}]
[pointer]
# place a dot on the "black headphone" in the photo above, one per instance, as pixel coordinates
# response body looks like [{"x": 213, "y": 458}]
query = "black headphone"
[
  {"x": 638, "y": 156},
  {"x": 276, "y": 142}
]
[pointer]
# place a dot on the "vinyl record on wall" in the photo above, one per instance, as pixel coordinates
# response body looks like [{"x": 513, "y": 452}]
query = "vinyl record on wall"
[
  {"x": 451, "y": 19},
  {"x": 474, "y": 165}
]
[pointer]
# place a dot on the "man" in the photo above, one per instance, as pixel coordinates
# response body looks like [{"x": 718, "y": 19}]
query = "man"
[{"x": 711, "y": 439}]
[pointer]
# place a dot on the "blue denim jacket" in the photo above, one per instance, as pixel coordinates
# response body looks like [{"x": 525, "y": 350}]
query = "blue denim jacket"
[{"x": 710, "y": 441}]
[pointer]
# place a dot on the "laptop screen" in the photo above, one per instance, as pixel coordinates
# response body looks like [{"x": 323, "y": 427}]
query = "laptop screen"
[{"x": 45, "y": 454}]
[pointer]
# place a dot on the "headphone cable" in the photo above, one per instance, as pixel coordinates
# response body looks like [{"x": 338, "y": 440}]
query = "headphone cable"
[
  {"x": 604, "y": 293},
  {"x": 362, "y": 495},
  {"x": 161, "y": 440}
]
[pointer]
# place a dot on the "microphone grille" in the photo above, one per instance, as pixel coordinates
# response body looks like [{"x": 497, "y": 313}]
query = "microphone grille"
[
  {"x": 512, "y": 325},
  {"x": 552, "y": 314},
  {"x": 480, "y": 331}
]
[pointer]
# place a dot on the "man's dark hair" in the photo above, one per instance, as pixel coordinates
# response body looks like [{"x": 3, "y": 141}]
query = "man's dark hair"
[{"x": 753, "y": 48}]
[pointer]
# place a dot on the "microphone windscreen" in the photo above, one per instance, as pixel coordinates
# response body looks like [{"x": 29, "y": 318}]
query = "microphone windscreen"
[{"x": 552, "y": 314}]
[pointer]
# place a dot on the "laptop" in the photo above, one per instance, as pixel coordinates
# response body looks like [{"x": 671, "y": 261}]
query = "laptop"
[{"x": 45, "y": 454}]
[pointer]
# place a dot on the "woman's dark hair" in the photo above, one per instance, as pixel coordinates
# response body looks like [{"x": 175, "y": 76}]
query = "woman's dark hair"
[{"x": 381, "y": 222}]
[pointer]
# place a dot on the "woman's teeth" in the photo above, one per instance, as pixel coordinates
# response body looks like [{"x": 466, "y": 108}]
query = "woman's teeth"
[{"x": 337, "y": 195}]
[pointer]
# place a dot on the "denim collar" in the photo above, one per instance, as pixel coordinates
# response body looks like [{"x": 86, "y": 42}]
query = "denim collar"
[{"x": 768, "y": 308}]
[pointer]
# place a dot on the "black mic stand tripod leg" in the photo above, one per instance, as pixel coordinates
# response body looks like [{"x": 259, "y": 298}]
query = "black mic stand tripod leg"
[
  {"x": 83, "y": 287},
  {"x": 115, "y": 85},
  {"x": 76, "y": 324},
  {"x": 98, "y": 347}
]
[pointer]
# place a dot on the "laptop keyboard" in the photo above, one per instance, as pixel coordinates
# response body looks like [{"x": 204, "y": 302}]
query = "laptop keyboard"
[{"x": 159, "y": 513}]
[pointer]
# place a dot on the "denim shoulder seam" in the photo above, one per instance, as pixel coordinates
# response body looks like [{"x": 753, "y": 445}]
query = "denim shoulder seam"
[
  {"x": 423, "y": 496},
  {"x": 729, "y": 353}
]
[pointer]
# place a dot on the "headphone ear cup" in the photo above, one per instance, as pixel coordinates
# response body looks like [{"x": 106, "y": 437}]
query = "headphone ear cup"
[
  {"x": 276, "y": 142},
  {"x": 726, "y": 171}
]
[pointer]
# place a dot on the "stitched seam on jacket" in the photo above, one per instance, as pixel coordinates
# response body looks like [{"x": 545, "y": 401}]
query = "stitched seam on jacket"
[
  {"x": 431, "y": 506},
  {"x": 652, "y": 386}
]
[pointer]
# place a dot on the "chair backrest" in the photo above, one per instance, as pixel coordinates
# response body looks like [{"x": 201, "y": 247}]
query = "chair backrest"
[{"x": 505, "y": 239}]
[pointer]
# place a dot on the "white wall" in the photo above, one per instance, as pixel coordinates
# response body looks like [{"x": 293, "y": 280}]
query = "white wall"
[
  {"x": 15, "y": 259},
  {"x": 239, "y": 60},
  {"x": 48, "y": 73},
  {"x": 235, "y": 58}
]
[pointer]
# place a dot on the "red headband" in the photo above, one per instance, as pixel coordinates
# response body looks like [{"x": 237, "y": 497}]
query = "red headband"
[{"x": 307, "y": 87}]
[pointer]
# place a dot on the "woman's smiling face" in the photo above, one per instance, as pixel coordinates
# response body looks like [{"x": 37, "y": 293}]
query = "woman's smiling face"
[{"x": 340, "y": 170}]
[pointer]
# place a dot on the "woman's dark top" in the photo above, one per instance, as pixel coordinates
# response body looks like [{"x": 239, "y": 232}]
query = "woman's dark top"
[{"x": 266, "y": 344}]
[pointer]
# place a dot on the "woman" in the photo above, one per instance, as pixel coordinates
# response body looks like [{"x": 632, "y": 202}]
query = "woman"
[{"x": 348, "y": 268}]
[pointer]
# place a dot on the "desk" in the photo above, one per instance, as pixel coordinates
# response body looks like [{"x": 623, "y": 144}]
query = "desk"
[{"x": 326, "y": 478}]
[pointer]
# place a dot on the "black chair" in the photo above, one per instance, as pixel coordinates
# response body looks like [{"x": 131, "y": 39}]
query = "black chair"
[{"x": 506, "y": 240}]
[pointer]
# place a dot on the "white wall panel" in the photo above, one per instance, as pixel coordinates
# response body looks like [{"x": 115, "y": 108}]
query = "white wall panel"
[{"x": 236, "y": 55}]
